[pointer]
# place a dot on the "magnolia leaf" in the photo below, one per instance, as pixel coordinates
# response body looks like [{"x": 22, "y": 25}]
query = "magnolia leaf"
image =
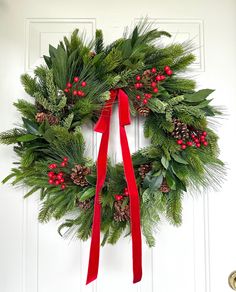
[
  {"x": 179, "y": 159},
  {"x": 26, "y": 138},
  {"x": 170, "y": 181},
  {"x": 156, "y": 183},
  {"x": 198, "y": 96},
  {"x": 164, "y": 162},
  {"x": 89, "y": 193}
]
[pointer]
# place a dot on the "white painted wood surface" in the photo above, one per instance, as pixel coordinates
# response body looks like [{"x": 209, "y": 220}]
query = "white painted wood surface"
[{"x": 197, "y": 257}]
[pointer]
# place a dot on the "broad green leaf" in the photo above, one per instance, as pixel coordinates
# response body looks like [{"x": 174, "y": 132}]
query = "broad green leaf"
[
  {"x": 31, "y": 127},
  {"x": 146, "y": 195},
  {"x": 26, "y": 138},
  {"x": 156, "y": 183},
  {"x": 164, "y": 162},
  {"x": 170, "y": 181},
  {"x": 198, "y": 96},
  {"x": 179, "y": 159},
  {"x": 89, "y": 193}
]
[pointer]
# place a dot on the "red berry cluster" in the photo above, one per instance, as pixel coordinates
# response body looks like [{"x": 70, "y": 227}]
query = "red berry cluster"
[
  {"x": 149, "y": 81},
  {"x": 76, "y": 88},
  {"x": 197, "y": 138},
  {"x": 119, "y": 197},
  {"x": 57, "y": 178}
]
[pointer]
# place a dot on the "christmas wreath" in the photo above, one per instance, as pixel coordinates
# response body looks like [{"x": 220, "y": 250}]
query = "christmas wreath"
[{"x": 78, "y": 85}]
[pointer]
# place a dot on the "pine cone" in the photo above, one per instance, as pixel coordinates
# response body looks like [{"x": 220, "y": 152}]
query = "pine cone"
[
  {"x": 78, "y": 175},
  {"x": 144, "y": 169},
  {"x": 181, "y": 130},
  {"x": 40, "y": 117},
  {"x": 85, "y": 205},
  {"x": 121, "y": 213},
  {"x": 143, "y": 111},
  {"x": 164, "y": 188},
  {"x": 52, "y": 120}
]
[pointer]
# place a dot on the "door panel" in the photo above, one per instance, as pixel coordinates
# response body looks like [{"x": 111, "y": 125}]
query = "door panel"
[{"x": 196, "y": 257}]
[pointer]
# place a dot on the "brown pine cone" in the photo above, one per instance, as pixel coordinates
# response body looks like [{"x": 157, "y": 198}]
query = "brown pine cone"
[
  {"x": 143, "y": 111},
  {"x": 40, "y": 117},
  {"x": 79, "y": 173},
  {"x": 164, "y": 188},
  {"x": 121, "y": 213},
  {"x": 144, "y": 169},
  {"x": 85, "y": 205},
  {"x": 52, "y": 120},
  {"x": 181, "y": 130}
]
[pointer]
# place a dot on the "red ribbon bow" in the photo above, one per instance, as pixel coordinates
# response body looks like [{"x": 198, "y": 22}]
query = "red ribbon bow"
[{"x": 103, "y": 126}]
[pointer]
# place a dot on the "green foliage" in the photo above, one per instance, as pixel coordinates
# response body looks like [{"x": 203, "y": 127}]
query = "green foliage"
[{"x": 40, "y": 141}]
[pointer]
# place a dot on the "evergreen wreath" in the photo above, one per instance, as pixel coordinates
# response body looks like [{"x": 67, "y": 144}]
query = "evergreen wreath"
[{"x": 71, "y": 90}]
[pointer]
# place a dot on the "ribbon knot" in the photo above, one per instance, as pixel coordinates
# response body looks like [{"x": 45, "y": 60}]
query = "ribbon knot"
[{"x": 103, "y": 126}]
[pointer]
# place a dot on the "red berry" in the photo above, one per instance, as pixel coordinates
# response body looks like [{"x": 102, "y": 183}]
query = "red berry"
[
  {"x": 183, "y": 146},
  {"x": 158, "y": 78},
  {"x": 69, "y": 85},
  {"x": 126, "y": 193},
  {"x": 83, "y": 84},
  {"x": 205, "y": 143},
  {"x": 74, "y": 92},
  {"x": 140, "y": 85},
  {"x": 202, "y": 138},
  {"x": 51, "y": 166},
  {"x": 138, "y": 97},
  {"x": 149, "y": 95},
  {"x": 65, "y": 159},
  {"x": 57, "y": 182},
  {"x": 118, "y": 197},
  {"x": 196, "y": 140},
  {"x": 167, "y": 68},
  {"x": 66, "y": 90},
  {"x": 189, "y": 143},
  {"x": 155, "y": 89},
  {"x": 62, "y": 180},
  {"x": 179, "y": 142},
  {"x": 154, "y": 70},
  {"x": 193, "y": 136},
  {"x": 169, "y": 72},
  {"x": 137, "y": 85},
  {"x": 60, "y": 173},
  {"x": 204, "y": 133},
  {"x": 63, "y": 163},
  {"x": 138, "y": 78},
  {"x": 50, "y": 181},
  {"x": 50, "y": 174},
  {"x": 153, "y": 84},
  {"x": 63, "y": 186},
  {"x": 82, "y": 93},
  {"x": 198, "y": 145},
  {"x": 163, "y": 77},
  {"x": 79, "y": 92},
  {"x": 145, "y": 101},
  {"x": 76, "y": 79},
  {"x": 59, "y": 176}
]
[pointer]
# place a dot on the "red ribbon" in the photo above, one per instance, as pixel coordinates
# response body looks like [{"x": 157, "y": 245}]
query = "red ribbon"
[{"x": 103, "y": 126}]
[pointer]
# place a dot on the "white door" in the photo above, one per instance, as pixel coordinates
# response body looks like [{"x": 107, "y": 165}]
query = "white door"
[{"x": 197, "y": 257}]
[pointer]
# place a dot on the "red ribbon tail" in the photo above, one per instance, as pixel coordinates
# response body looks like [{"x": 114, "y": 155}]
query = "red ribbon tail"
[
  {"x": 132, "y": 188},
  {"x": 103, "y": 125}
]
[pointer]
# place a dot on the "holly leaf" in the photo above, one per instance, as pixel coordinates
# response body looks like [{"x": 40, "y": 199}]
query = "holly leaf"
[
  {"x": 89, "y": 193},
  {"x": 198, "y": 96}
]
